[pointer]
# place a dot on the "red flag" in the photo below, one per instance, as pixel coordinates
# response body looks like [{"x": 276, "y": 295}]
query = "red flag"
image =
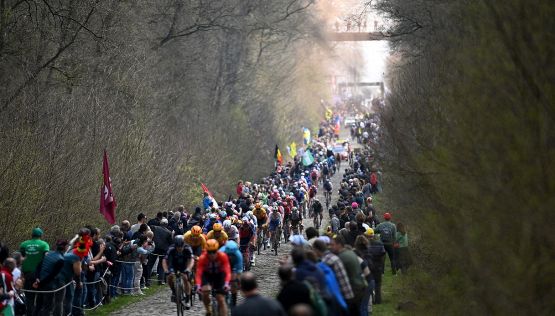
[
  {"x": 205, "y": 189},
  {"x": 107, "y": 201}
]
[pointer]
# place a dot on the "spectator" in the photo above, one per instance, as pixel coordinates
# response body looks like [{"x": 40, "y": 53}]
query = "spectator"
[
  {"x": 7, "y": 290},
  {"x": 16, "y": 273},
  {"x": 378, "y": 254},
  {"x": 333, "y": 261},
  {"x": 307, "y": 270},
  {"x": 354, "y": 272},
  {"x": 46, "y": 273},
  {"x": 362, "y": 249},
  {"x": 311, "y": 235},
  {"x": 401, "y": 247},
  {"x": 155, "y": 221},
  {"x": 33, "y": 251},
  {"x": 387, "y": 231},
  {"x": 301, "y": 310},
  {"x": 126, "y": 230},
  {"x": 162, "y": 241},
  {"x": 292, "y": 291},
  {"x": 141, "y": 219},
  {"x": 335, "y": 302},
  {"x": 93, "y": 275},
  {"x": 71, "y": 270},
  {"x": 255, "y": 304}
]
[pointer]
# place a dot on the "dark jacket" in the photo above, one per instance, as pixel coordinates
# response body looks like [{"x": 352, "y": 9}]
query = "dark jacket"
[{"x": 162, "y": 239}]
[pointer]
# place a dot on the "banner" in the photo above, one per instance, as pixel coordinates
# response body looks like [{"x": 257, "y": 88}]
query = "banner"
[{"x": 107, "y": 201}]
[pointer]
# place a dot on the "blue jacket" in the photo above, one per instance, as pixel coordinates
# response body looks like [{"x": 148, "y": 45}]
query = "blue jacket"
[
  {"x": 235, "y": 256},
  {"x": 333, "y": 285}
]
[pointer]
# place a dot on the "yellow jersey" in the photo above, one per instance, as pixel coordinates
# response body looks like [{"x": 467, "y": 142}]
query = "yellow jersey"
[
  {"x": 222, "y": 238},
  {"x": 195, "y": 241}
]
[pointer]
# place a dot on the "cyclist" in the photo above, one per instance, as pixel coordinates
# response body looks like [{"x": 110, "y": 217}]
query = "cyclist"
[
  {"x": 196, "y": 240},
  {"x": 275, "y": 220},
  {"x": 231, "y": 249},
  {"x": 213, "y": 274},
  {"x": 261, "y": 219},
  {"x": 247, "y": 239},
  {"x": 179, "y": 258},
  {"x": 317, "y": 210},
  {"x": 231, "y": 231},
  {"x": 328, "y": 188},
  {"x": 311, "y": 196},
  {"x": 218, "y": 234},
  {"x": 296, "y": 221}
]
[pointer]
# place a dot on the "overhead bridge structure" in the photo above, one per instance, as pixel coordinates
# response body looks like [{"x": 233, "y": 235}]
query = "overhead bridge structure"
[{"x": 357, "y": 36}]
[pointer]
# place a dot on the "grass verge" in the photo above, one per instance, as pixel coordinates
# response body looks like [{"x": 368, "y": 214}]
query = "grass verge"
[{"x": 124, "y": 300}]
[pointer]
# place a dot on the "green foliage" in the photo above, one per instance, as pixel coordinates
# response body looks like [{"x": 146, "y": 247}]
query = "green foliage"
[{"x": 470, "y": 152}]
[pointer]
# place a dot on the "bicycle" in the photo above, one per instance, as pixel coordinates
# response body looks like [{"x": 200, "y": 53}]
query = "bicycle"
[
  {"x": 317, "y": 221},
  {"x": 260, "y": 240},
  {"x": 286, "y": 230},
  {"x": 179, "y": 294},
  {"x": 275, "y": 240},
  {"x": 245, "y": 251},
  {"x": 327, "y": 195},
  {"x": 214, "y": 303}
]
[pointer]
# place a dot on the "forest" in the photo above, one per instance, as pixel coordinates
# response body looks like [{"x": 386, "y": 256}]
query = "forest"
[
  {"x": 469, "y": 148},
  {"x": 178, "y": 93}
]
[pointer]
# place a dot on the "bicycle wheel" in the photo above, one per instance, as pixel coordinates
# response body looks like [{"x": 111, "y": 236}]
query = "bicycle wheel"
[
  {"x": 192, "y": 293},
  {"x": 259, "y": 243},
  {"x": 179, "y": 295},
  {"x": 215, "y": 307}
]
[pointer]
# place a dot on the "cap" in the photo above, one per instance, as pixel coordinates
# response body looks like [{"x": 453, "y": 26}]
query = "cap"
[
  {"x": 37, "y": 232},
  {"x": 369, "y": 232},
  {"x": 164, "y": 221}
]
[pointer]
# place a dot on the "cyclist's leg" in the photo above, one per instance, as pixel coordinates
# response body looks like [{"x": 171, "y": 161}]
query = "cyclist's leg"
[
  {"x": 171, "y": 282},
  {"x": 206, "y": 291},
  {"x": 217, "y": 283},
  {"x": 186, "y": 286},
  {"x": 222, "y": 305}
]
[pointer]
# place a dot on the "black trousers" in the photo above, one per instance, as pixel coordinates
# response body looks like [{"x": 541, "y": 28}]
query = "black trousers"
[{"x": 391, "y": 254}]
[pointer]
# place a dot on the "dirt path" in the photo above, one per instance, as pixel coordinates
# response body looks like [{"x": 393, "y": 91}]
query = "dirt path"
[{"x": 265, "y": 270}]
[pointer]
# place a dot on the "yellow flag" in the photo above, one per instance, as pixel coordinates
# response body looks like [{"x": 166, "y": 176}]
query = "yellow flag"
[
  {"x": 329, "y": 114},
  {"x": 293, "y": 151}
]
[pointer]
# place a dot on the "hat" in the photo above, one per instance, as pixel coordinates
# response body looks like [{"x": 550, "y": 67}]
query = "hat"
[
  {"x": 387, "y": 216},
  {"x": 354, "y": 205},
  {"x": 369, "y": 232},
  {"x": 37, "y": 232},
  {"x": 164, "y": 221}
]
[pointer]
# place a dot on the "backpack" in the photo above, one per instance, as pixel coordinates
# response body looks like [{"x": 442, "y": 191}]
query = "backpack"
[
  {"x": 295, "y": 215},
  {"x": 386, "y": 234},
  {"x": 316, "y": 300},
  {"x": 327, "y": 186}
]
